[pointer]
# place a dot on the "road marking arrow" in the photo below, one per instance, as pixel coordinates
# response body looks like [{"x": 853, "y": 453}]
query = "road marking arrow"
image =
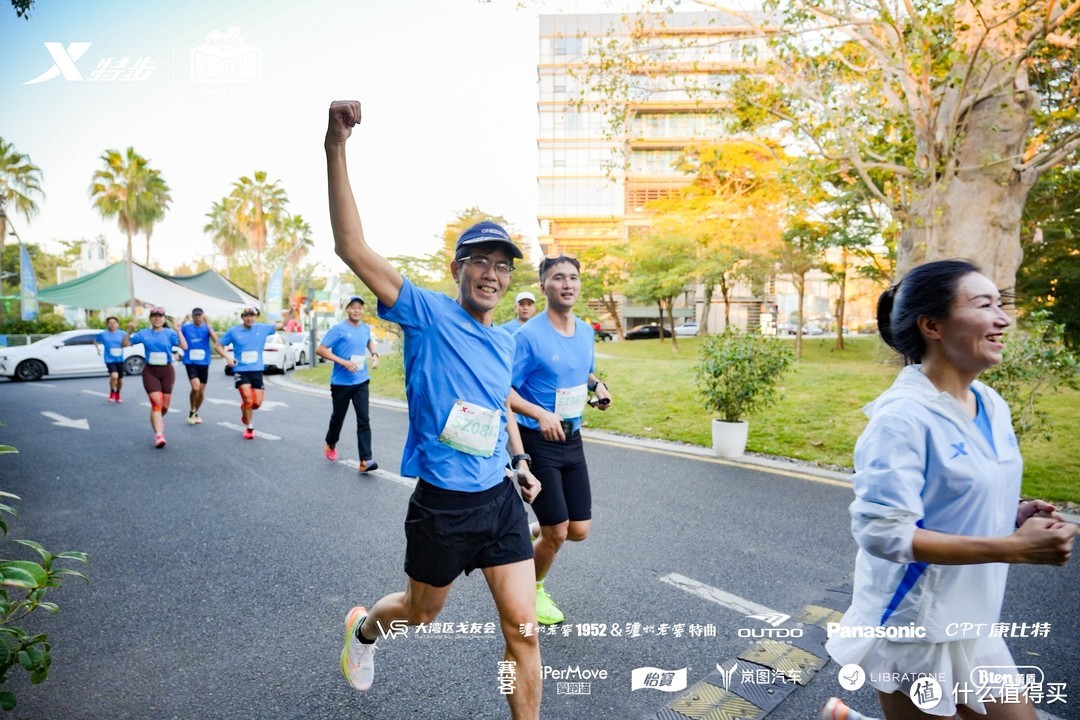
[
  {"x": 58, "y": 419},
  {"x": 268, "y": 405},
  {"x": 716, "y": 595}
]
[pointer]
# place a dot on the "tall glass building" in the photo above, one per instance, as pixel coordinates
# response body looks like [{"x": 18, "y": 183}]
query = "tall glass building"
[{"x": 594, "y": 182}]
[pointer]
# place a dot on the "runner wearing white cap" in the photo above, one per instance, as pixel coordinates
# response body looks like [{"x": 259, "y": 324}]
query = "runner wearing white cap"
[{"x": 525, "y": 307}]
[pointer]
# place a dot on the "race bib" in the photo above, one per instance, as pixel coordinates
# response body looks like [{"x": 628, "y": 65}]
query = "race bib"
[
  {"x": 249, "y": 356},
  {"x": 359, "y": 360},
  {"x": 471, "y": 429},
  {"x": 570, "y": 402},
  {"x": 116, "y": 352},
  {"x": 198, "y": 354},
  {"x": 158, "y": 358}
]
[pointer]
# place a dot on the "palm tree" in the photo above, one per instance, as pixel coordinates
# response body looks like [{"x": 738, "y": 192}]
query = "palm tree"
[
  {"x": 20, "y": 181},
  {"x": 257, "y": 207},
  {"x": 158, "y": 200},
  {"x": 132, "y": 192},
  {"x": 294, "y": 242},
  {"x": 226, "y": 238}
]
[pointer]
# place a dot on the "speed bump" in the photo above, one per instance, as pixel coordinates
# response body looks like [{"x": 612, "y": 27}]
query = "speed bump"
[{"x": 705, "y": 701}]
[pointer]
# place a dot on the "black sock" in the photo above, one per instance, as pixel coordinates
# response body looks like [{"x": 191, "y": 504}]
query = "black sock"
[{"x": 360, "y": 636}]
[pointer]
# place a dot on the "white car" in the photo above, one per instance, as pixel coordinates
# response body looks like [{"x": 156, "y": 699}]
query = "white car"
[
  {"x": 687, "y": 329},
  {"x": 301, "y": 342},
  {"x": 278, "y": 355},
  {"x": 68, "y": 353}
]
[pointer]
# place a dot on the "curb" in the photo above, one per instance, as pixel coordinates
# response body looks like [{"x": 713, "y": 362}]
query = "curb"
[{"x": 754, "y": 462}]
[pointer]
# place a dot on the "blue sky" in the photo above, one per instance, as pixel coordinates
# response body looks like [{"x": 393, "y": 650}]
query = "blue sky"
[{"x": 448, "y": 89}]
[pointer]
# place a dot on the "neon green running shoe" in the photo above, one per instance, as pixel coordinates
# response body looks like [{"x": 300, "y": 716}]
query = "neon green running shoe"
[
  {"x": 546, "y": 611},
  {"x": 357, "y": 658}
]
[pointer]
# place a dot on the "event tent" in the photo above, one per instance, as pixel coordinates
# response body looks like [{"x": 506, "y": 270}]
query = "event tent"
[{"x": 108, "y": 288}]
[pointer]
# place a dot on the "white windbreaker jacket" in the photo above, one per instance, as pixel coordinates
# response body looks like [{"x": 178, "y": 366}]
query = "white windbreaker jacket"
[{"x": 921, "y": 462}]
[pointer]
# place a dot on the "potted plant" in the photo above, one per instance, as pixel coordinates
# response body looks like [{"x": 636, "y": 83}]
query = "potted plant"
[{"x": 737, "y": 375}]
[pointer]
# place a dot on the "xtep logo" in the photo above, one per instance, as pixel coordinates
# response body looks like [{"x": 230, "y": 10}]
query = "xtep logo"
[
  {"x": 959, "y": 448},
  {"x": 774, "y": 619},
  {"x": 63, "y": 61}
]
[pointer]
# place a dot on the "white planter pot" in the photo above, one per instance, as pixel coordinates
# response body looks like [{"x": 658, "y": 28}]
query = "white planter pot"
[{"x": 729, "y": 439}]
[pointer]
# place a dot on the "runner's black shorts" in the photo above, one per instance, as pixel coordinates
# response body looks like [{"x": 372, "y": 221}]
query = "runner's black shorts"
[
  {"x": 254, "y": 378},
  {"x": 158, "y": 378},
  {"x": 117, "y": 368},
  {"x": 202, "y": 372},
  {"x": 560, "y": 467},
  {"x": 448, "y": 532}
]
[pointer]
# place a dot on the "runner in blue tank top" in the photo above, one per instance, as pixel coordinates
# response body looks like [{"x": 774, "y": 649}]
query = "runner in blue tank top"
[{"x": 465, "y": 512}]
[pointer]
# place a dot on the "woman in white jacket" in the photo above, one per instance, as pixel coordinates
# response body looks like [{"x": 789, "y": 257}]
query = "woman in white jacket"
[{"x": 937, "y": 514}]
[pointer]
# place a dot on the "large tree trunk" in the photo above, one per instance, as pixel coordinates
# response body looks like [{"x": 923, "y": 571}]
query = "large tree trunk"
[
  {"x": 973, "y": 212},
  {"x": 612, "y": 306}
]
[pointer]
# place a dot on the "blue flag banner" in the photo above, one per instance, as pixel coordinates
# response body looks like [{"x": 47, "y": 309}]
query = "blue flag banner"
[
  {"x": 28, "y": 288},
  {"x": 274, "y": 295}
]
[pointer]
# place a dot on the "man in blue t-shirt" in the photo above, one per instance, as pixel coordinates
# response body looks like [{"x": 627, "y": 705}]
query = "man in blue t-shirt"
[
  {"x": 553, "y": 376},
  {"x": 465, "y": 512},
  {"x": 524, "y": 308},
  {"x": 345, "y": 345},
  {"x": 111, "y": 348},
  {"x": 198, "y": 333},
  {"x": 247, "y": 340}
]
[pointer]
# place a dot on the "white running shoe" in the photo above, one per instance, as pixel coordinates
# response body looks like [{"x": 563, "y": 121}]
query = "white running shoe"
[{"x": 357, "y": 658}]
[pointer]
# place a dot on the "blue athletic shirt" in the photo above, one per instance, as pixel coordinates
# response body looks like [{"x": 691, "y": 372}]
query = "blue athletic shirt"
[
  {"x": 198, "y": 339},
  {"x": 982, "y": 420},
  {"x": 114, "y": 345},
  {"x": 157, "y": 344},
  {"x": 449, "y": 356},
  {"x": 513, "y": 326},
  {"x": 246, "y": 341},
  {"x": 546, "y": 361},
  {"x": 348, "y": 341}
]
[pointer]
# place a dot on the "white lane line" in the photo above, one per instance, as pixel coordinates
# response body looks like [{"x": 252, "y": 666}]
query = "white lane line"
[
  {"x": 707, "y": 592},
  {"x": 258, "y": 433},
  {"x": 384, "y": 474},
  {"x": 95, "y": 392}
]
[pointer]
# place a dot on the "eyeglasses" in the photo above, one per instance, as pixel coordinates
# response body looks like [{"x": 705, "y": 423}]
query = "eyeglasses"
[{"x": 483, "y": 264}]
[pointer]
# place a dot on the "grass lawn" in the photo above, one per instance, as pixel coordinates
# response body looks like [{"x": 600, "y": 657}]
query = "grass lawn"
[{"x": 817, "y": 419}]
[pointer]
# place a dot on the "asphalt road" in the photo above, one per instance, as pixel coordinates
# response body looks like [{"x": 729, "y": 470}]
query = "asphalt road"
[{"x": 221, "y": 569}]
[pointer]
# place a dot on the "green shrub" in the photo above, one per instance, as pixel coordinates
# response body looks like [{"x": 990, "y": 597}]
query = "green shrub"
[
  {"x": 23, "y": 584},
  {"x": 737, "y": 373},
  {"x": 1035, "y": 361}
]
